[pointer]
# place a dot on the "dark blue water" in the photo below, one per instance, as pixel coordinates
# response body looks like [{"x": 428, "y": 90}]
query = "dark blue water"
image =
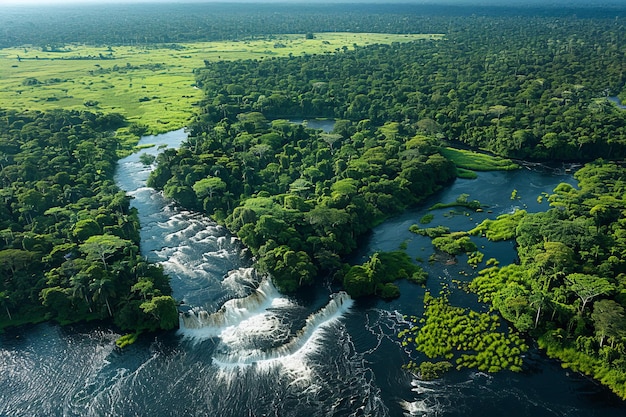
[
  {"x": 327, "y": 125},
  {"x": 246, "y": 350},
  {"x": 617, "y": 102}
]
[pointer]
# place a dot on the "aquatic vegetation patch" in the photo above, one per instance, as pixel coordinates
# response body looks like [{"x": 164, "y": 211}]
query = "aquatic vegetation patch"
[
  {"x": 431, "y": 232},
  {"x": 469, "y": 338},
  {"x": 427, "y": 218},
  {"x": 428, "y": 371},
  {"x": 502, "y": 228},
  {"x": 475, "y": 258},
  {"x": 454, "y": 243},
  {"x": 127, "y": 339}
]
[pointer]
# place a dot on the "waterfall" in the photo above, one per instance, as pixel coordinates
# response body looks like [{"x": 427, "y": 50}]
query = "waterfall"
[
  {"x": 338, "y": 305},
  {"x": 233, "y": 311}
]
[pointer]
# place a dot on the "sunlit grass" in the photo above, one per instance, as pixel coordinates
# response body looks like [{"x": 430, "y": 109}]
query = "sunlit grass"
[
  {"x": 474, "y": 161},
  {"x": 152, "y": 85}
]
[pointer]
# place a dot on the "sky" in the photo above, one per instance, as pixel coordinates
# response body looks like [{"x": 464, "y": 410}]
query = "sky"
[{"x": 483, "y": 2}]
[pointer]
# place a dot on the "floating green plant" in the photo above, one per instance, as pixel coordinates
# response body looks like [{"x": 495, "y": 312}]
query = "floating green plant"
[{"x": 470, "y": 339}]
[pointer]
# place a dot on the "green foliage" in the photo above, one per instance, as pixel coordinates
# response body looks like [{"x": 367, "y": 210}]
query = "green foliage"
[
  {"x": 163, "y": 309},
  {"x": 461, "y": 201},
  {"x": 146, "y": 158},
  {"x": 502, "y": 228},
  {"x": 126, "y": 340},
  {"x": 470, "y": 160},
  {"x": 298, "y": 198},
  {"x": 387, "y": 291},
  {"x": 377, "y": 274},
  {"x": 475, "y": 258},
  {"x": 428, "y": 371},
  {"x": 570, "y": 258},
  {"x": 69, "y": 240},
  {"x": 431, "y": 232},
  {"x": 454, "y": 243},
  {"x": 103, "y": 247},
  {"x": 608, "y": 321},
  {"x": 427, "y": 218},
  {"x": 473, "y": 340}
]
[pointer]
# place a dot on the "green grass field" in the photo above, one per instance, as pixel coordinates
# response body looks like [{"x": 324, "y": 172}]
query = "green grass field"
[
  {"x": 474, "y": 161},
  {"x": 152, "y": 85}
]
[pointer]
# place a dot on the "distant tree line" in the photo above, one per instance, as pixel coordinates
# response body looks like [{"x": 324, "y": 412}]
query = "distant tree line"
[{"x": 165, "y": 23}]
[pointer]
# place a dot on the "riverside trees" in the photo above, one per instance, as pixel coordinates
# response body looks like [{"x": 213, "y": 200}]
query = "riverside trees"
[
  {"x": 69, "y": 247},
  {"x": 303, "y": 202},
  {"x": 569, "y": 288},
  {"x": 527, "y": 96}
]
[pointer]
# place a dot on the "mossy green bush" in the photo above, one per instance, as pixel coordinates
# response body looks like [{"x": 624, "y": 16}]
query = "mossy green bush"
[
  {"x": 502, "y": 228},
  {"x": 470, "y": 339}
]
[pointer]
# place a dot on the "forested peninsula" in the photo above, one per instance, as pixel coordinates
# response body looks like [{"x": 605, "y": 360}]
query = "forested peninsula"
[{"x": 514, "y": 83}]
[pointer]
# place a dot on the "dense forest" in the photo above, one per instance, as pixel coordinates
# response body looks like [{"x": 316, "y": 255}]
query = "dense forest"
[
  {"x": 568, "y": 289},
  {"x": 300, "y": 199},
  {"x": 537, "y": 93},
  {"x": 140, "y": 24},
  {"x": 529, "y": 96},
  {"x": 69, "y": 247}
]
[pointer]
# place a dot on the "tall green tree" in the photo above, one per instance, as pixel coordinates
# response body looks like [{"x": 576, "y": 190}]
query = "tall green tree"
[
  {"x": 608, "y": 320},
  {"x": 587, "y": 287},
  {"x": 103, "y": 247}
]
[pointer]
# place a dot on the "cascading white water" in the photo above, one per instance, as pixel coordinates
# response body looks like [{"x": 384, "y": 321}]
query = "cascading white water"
[
  {"x": 338, "y": 305},
  {"x": 251, "y": 320},
  {"x": 231, "y": 313}
]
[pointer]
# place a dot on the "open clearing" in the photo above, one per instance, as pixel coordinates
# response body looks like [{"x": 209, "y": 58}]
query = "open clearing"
[
  {"x": 153, "y": 85},
  {"x": 475, "y": 161}
]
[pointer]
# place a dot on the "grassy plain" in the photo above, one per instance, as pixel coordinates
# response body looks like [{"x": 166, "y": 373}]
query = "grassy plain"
[
  {"x": 153, "y": 85},
  {"x": 474, "y": 161}
]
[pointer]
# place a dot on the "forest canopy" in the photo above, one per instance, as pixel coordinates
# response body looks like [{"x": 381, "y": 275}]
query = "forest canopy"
[{"x": 69, "y": 239}]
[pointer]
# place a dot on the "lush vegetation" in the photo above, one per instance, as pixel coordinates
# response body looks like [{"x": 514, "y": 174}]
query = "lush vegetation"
[
  {"x": 461, "y": 201},
  {"x": 300, "y": 199},
  {"x": 539, "y": 92},
  {"x": 191, "y": 22},
  {"x": 69, "y": 241},
  {"x": 569, "y": 289},
  {"x": 519, "y": 83},
  {"x": 502, "y": 228},
  {"x": 474, "y": 161},
  {"x": 471, "y": 339},
  {"x": 376, "y": 276}
]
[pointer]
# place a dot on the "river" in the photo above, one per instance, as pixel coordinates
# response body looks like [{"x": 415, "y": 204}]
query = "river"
[
  {"x": 617, "y": 102},
  {"x": 245, "y": 350}
]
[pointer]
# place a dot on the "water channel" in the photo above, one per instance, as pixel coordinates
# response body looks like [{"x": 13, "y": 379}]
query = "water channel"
[{"x": 246, "y": 350}]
